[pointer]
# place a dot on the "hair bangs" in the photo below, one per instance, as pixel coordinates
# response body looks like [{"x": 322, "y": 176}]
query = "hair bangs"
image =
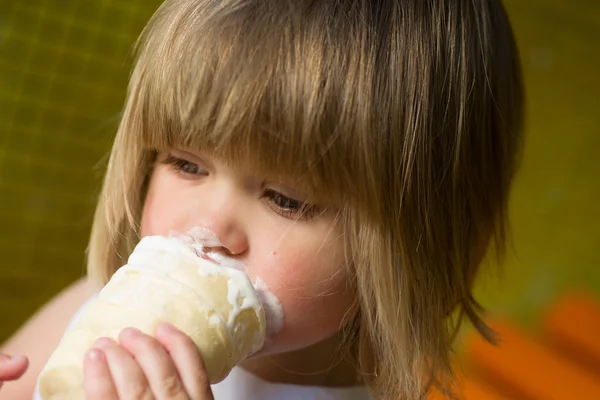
[{"x": 274, "y": 105}]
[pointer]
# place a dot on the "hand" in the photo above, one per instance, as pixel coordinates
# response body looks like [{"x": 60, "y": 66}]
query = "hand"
[
  {"x": 12, "y": 368},
  {"x": 168, "y": 367}
]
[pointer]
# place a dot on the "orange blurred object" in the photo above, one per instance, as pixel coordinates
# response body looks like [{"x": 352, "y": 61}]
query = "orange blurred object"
[
  {"x": 573, "y": 327},
  {"x": 470, "y": 390},
  {"x": 524, "y": 365}
]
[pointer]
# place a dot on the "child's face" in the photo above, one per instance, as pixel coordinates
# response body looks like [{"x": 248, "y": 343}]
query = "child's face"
[{"x": 301, "y": 260}]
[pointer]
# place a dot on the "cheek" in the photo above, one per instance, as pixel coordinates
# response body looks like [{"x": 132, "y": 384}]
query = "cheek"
[
  {"x": 313, "y": 291},
  {"x": 159, "y": 215},
  {"x": 153, "y": 215}
]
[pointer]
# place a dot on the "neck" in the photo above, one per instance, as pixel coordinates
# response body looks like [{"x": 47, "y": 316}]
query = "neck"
[{"x": 318, "y": 365}]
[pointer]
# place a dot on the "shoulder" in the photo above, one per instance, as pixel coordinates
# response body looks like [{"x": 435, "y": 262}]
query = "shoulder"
[{"x": 52, "y": 319}]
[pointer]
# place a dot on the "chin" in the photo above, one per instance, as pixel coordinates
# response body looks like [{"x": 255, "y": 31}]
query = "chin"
[{"x": 292, "y": 340}]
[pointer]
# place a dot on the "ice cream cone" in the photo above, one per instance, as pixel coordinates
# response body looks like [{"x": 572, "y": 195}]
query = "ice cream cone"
[{"x": 165, "y": 280}]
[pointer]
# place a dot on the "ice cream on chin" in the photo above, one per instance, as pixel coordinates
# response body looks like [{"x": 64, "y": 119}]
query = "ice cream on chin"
[{"x": 168, "y": 279}]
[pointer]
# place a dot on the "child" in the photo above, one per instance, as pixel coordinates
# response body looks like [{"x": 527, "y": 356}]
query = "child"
[{"x": 355, "y": 155}]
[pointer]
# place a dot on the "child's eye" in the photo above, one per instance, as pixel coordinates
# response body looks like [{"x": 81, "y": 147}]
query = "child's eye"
[
  {"x": 183, "y": 166},
  {"x": 288, "y": 207}
]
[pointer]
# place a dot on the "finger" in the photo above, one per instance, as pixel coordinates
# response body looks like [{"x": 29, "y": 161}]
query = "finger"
[
  {"x": 127, "y": 375},
  {"x": 156, "y": 363},
  {"x": 12, "y": 368},
  {"x": 97, "y": 380},
  {"x": 187, "y": 360}
]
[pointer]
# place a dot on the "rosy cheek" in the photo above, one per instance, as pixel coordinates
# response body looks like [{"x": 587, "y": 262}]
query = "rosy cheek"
[
  {"x": 285, "y": 275},
  {"x": 295, "y": 287}
]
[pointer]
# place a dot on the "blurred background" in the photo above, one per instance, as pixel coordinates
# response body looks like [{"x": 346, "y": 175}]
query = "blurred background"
[
  {"x": 63, "y": 71},
  {"x": 64, "y": 66}
]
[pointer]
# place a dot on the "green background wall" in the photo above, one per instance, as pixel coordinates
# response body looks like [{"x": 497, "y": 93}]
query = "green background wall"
[{"x": 63, "y": 70}]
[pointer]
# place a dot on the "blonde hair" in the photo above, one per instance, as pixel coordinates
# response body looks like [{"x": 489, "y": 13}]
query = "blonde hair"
[{"x": 405, "y": 113}]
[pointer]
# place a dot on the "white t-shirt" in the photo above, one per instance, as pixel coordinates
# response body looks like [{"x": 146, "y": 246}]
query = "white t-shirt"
[{"x": 242, "y": 385}]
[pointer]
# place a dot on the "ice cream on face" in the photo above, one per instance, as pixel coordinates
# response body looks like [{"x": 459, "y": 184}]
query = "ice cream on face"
[
  {"x": 204, "y": 240},
  {"x": 271, "y": 305},
  {"x": 166, "y": 279}
]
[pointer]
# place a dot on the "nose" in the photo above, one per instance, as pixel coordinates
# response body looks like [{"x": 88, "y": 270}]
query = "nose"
[{"x": 221, "y": 222}]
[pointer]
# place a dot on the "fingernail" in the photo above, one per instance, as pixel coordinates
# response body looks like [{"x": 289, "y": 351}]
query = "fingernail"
[
  {"x": 18, "y": 358},
  {"x": 104, "y": 342},
  {"x": 95, "y": 355}
]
